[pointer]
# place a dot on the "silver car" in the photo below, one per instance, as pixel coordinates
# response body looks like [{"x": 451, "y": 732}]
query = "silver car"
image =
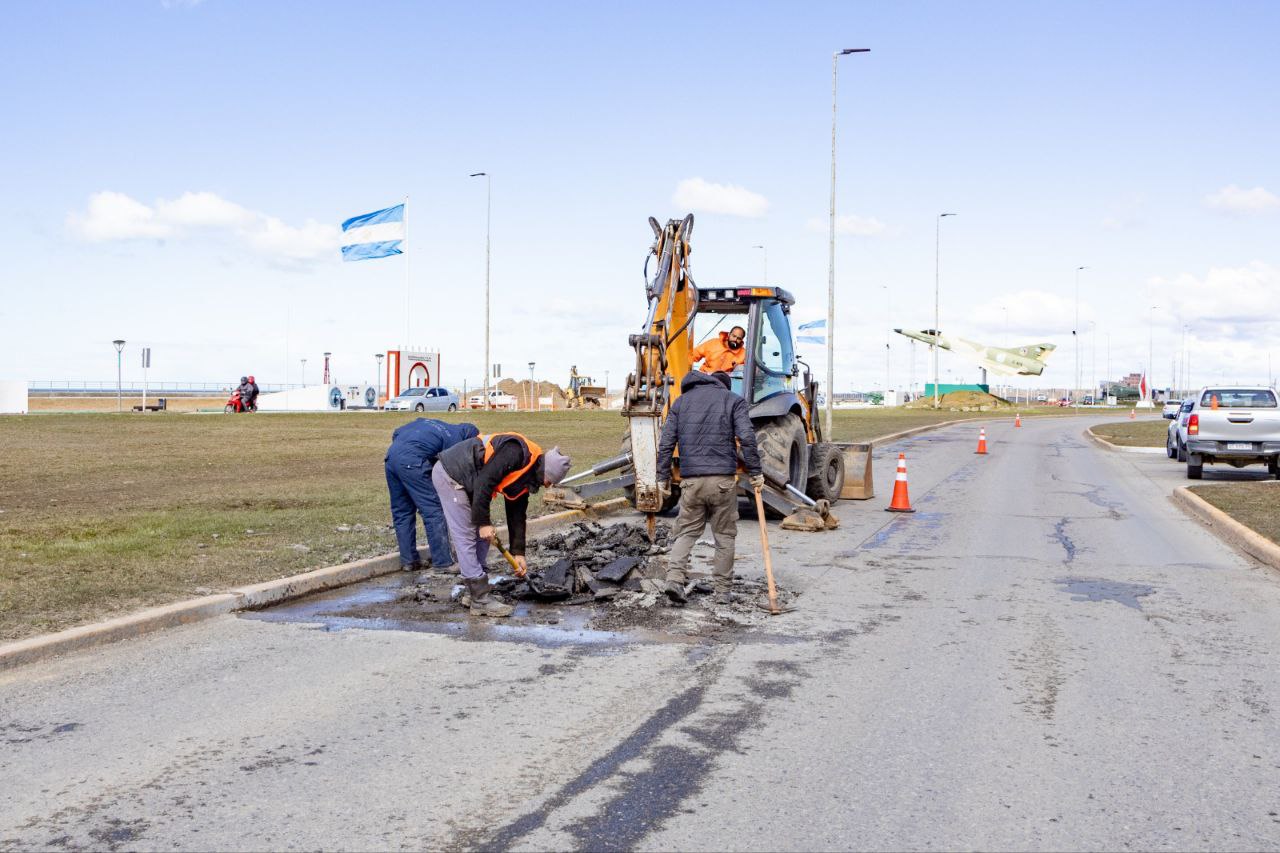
[{"x": 434, "y": 399}]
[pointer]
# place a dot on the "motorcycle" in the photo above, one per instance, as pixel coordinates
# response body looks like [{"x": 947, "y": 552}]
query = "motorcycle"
[{"x": 236, "y": 405}]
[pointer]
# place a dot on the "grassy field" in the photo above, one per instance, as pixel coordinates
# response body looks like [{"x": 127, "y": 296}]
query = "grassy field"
[
  {"x": 108, "y": 404},
  {"x": 1251, "y": 504},
  {"x": 1134, "y": 433},
  {"x": 104, "y": 514}
]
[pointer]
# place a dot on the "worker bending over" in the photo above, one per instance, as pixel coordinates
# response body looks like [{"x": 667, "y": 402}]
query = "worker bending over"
[
  {"x": 708, "y": 422},
  {"x": 414, "y": 449},
  {"x": 470, "y": 475},
  {"x": 722, "y": 353}
]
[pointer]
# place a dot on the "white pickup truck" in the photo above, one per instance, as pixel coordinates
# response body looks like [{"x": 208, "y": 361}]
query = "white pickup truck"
[
  {"x": 1233, "y": 425},
  {"x": 497, "y": 400}
]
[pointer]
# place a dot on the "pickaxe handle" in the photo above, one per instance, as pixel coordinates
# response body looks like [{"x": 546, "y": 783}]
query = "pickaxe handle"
[
  {"x": 515, "y": 567},
  {"x": 768, "y": 558}
]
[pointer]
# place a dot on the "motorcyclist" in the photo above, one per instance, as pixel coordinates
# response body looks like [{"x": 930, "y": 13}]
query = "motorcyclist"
[
  {"x": 251, "y": 402},
  {"x": 243, "y": 391}
]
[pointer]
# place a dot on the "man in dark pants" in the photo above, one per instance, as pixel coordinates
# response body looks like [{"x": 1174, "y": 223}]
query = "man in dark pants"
[
  {"x": 414, "y": 450},
  {"x": 709, "y": 423},
  {"x": 473, "y": 473}
]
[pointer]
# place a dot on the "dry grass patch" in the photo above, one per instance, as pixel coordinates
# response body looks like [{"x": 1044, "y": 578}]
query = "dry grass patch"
[
  {"x": 1255, "y": 505},
  {"x": 1134, "y": 433}
]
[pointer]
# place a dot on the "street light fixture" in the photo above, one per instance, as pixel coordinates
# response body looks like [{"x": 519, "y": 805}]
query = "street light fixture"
[
  {"x": 119, "y": 345},
  {"x": 765, "y": 249},
  {"x": 531, "y": 394},
  {"x": 1075, "y": 336},
  {"x": 831, "y": 243},
  {"x": 1093, "y": 360},
  {"x": 377, "y": 378},
  {"x": 488, "y": 230},
  {"x": 304, "y": 373},
  {"x": 937, "y": 318}
]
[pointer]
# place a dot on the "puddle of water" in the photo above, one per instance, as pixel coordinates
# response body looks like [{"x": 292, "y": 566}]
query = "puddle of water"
[
  {"x": 1087, "y": 589},
  {"x": 377, "y": 605}
]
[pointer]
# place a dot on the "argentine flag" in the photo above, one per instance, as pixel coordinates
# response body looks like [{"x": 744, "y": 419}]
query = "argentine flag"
[
  {"x": 811, "y": 327},
  {"x": 373, "y": 235}
]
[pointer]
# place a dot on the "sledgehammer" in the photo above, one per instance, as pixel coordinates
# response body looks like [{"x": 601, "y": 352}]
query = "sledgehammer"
[{"x": 768, "y": 558}]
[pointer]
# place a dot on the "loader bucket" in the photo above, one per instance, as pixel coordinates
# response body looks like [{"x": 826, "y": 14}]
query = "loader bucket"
[{"x": 858, "y": 483}]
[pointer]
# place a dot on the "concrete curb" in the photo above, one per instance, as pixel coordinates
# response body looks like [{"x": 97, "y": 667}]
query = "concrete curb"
[
  {"x": 252, "y": 597},
  {"x": 1227, "y": 528},
  {"x": 1120, "y": 448}
]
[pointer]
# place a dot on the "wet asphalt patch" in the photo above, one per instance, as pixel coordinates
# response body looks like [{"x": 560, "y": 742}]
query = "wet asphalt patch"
[{"x": 1093, "y": 589}]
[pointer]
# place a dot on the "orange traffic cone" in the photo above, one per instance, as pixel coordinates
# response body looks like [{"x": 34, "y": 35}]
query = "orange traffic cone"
[
  {"x": 1132, "y": 415},
  {"x": 901, "y": 502},
  {"x": 1017, "y": 420},
  {"x": 982, "y": 442}
]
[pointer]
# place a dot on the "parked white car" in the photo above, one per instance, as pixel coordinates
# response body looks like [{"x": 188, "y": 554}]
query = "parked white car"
[
  {"x": 497, "y": 400},
  {"x": 1175, "y": 443},
  {"x": 434, "y": 399}
]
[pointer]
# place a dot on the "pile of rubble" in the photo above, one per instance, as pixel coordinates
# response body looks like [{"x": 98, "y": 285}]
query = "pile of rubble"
[{"x": 590, "y": 562}]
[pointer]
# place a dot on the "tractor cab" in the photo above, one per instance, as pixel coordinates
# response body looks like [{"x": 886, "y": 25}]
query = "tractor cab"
[{"x": 765, "y": 313}]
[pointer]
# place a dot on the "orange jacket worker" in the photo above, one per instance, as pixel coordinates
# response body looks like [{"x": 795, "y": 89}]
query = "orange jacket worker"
[{"x": 722, "y": 353}]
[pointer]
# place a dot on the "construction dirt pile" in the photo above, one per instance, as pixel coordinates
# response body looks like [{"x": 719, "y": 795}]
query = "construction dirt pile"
[
  {"x": 598, "y": 578},
  {"x": 520, "y": 390},
  {"x": 963, "y": 401}
]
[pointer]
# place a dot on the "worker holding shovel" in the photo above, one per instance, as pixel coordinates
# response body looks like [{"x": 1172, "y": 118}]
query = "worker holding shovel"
[
  {"x": 709, "y": 423},
  {"x": 468, "y": 477}
]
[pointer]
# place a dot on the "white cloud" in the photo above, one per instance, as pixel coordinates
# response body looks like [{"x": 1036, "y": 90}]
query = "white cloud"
[
  {"x": 1228, "y": 302},
  {"x": 116, "y": 216},
  {"x": 1234, "y": 199},
  {"x": 112, "y": 216},
  {"x": 1038, "y": 314},
  {"x": 854, "y": 226},
  {"x": 699, "y": 195}
]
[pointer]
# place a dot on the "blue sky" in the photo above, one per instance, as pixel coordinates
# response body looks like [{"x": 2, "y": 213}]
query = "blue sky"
[{"x": 1138, "y": 139}]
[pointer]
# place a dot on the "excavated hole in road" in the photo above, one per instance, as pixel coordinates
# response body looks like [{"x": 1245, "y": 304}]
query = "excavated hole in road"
[{"x": 591, "y": 585}]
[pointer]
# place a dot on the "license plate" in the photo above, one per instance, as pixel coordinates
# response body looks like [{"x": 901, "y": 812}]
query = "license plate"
[{"x": 1239, "y": 445}]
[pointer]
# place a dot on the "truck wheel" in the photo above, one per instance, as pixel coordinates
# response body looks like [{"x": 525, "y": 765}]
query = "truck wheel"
[
  {"x": 1195, "y": 472},
  {"x": 783, "y": 447},
  {"x": 1182, "y": 452},
  {"x": 828, "y": 473}
]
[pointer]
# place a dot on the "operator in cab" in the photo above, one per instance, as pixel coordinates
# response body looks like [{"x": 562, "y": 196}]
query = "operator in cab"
[
  {"x": 721, "y": 353},
  {"x": 472, "y": 473}
]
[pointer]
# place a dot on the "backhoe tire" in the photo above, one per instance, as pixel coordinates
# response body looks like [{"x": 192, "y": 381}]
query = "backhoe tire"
[
  {"x": 827, "y": 464},
  {"x": 673, "y": 499},
  {"x": 783, "y": 446}
]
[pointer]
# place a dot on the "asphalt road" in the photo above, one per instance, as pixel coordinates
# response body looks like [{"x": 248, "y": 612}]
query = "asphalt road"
[{"x": 1047, "y": 655}]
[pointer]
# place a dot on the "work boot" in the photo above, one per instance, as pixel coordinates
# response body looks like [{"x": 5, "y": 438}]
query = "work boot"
[
  {"x": 450, "y": 569},
  {"x": 675, "y": 592},
  {"x": 483, "y": 602},
  {"x": 411, "y": 567},
  {"x": 722, "y": 594}
]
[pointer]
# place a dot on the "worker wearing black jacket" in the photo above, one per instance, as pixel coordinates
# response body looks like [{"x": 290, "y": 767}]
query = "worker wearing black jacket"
[
  {"x": 471, "y": 474},
  {"x": 709, "y": 423}
]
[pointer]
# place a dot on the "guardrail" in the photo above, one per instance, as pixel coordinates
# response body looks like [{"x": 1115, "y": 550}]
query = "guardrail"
[{"x": 85, "y": 388}]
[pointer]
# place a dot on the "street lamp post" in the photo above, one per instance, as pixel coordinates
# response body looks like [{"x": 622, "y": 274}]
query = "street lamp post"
[
  {"x": 937, "y": 319},
  {"x": 304, "y": 373},
  {"x": 1075, "y": 337},
  {"x": 1093, "y": 360},
  {"x": 1151, "y": 336},
  {"x": 531, "y": 392},
  {"x": 119, "y": 345},
  {"x": 606, "y": 389},
  {"x": 764, "y": 249},
  {"x": 488, "y": 230},
  {"x": 831, "y": 243},
  {"x": 377, "y": 378}
]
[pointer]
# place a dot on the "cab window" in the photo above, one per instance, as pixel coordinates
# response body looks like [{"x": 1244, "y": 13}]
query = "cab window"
[{"x": 774, "y": 352}]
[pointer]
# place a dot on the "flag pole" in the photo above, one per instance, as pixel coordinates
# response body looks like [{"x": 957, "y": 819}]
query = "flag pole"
[{"x": 406, "y": 275}]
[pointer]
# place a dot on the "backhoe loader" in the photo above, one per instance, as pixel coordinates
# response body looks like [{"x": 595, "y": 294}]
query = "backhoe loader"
[{"x": 803, "y": 471}]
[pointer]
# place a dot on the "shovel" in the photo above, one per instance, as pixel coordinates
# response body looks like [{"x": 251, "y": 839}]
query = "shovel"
[{"x": 768, "y": 558}]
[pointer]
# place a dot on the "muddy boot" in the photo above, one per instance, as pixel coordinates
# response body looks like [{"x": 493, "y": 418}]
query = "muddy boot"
[
  {"x": 451, "y": 569},
  {"x": 411, "y": 567},
  {"x": 483, "y": 602},
  {"x": 675, "y": 592}
]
